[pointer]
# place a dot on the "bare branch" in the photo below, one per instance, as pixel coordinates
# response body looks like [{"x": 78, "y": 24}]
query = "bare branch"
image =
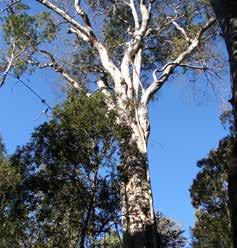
[
  {"x": 79, "y": 34},
  {"x": 26, "y": 85},
  {"x": 134, "y": 45},
  {"x": 146, "y": 13},
  {"x": 164, "y": 26},
  {"x": 87, "y": 35},
  {"x": 135, "y": 15},
  {"x": 8, "y": 67},
  {"x": 103, "y": 87},
  {"x": 110, "y": 67},
  {"x": 137, "y": 72}
]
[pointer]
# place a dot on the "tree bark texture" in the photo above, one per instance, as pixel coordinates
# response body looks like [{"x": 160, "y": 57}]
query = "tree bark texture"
[
  {"x": 226, "y": 12},
  {"x": 138, "y": 216}
]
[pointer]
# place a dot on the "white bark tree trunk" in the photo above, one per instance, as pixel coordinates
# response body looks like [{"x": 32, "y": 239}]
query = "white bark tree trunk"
[{"x": 138, "y": 216}]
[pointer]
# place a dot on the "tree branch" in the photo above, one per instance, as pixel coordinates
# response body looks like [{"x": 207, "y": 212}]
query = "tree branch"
[
  {"x": 135, "y": 15},
  {"x": 8, "y": 66},
  {"x": 204, "y": 67},
  {"x": 87, "y": 35},
  {"x": 182, "y": 30},
  {"x": 135, "y": 43},
  {"x": 82, "y": 13},
  {"x": 58, "y": 68},
  {"x": 169, "y": 68},
  {"x": 65, "y": 16},
  {"x": 10, "y": 6}
]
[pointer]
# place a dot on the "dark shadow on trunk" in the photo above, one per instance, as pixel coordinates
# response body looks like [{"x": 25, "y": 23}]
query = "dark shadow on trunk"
[
  {"x": 144, "y": 238},
  {"x": 232, "y": 191},
  {"x": 226, "y": 12}
]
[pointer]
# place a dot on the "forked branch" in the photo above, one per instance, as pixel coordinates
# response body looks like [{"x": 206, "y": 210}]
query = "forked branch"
[{"x": 170, "y": 67}]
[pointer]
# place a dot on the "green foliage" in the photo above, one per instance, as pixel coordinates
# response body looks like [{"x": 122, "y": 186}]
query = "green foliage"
[
  {"x": 209, "y": 194},
  {"x": 66, "y": 180},
  {"x": 24, "y": 33},
  {"x": 11, "y": 211}
]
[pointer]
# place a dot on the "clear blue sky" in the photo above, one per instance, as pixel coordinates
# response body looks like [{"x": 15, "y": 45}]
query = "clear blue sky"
[{"x": 182, "y": 132}]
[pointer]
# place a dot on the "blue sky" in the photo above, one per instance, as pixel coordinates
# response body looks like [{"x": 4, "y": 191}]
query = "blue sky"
[{"x": 183, "y": 130}]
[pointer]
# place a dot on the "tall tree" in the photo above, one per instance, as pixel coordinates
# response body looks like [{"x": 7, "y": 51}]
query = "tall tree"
[
  {"x": 227, "y": 16},
  {"x": 129, "y": 49},
  {"x": 209, "y": 193}
]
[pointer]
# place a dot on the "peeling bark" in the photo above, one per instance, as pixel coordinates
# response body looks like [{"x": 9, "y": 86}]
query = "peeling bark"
[{"x": 138, "y": 216}]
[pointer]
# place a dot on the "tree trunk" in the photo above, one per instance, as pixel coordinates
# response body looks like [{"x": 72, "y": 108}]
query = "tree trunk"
[
  {"x": 138, "y": 217},
  {"x": 226, "y": 12}
]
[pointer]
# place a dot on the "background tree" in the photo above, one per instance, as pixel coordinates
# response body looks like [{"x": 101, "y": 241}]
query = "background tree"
[
  {"x": 11, "y": 211},
  {"x": 226, "y": 13},
  {"x": 128, "y": 49},
  {"x": 209, "y": 193},
  {"x": 68, "y": 187}
]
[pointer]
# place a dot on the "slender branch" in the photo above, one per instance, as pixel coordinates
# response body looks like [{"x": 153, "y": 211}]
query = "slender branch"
[
  {"x": 163, "y": 27},
  {"x": 58, "y": 68},
  {"x": 8, "y": 67},
  {"x": 204, "y": 67},
  {"x": 182, "y": 30},
  {"x": 10, "y": 6},
  {"x": 32, "y": 91},
  {"x": 135, "y": 15}
]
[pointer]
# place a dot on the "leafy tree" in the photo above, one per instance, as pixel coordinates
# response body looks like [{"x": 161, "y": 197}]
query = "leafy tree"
[
  {"x": 61, "y": 188},
  {"x": 209, "y": 193},
  {"x": 129, "y": 50}
]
